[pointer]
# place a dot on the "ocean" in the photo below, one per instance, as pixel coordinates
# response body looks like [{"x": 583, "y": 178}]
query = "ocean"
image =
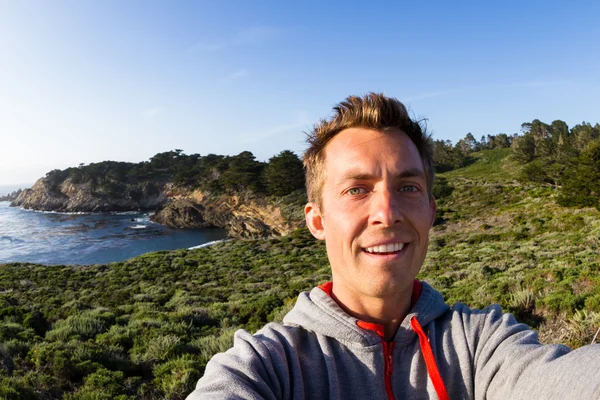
[{"x": 62, "y": 238}]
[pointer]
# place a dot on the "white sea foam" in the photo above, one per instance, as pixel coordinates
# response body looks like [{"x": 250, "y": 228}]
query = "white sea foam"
[
  {"x": 208, "y": 244},
  {"x": 58, "y": 212},
  {"x": 138, "y": 227},
  {"x": 86, "y": 212}
]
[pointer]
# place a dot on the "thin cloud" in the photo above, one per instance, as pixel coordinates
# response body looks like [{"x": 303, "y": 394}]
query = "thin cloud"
[
  {"x": 300, "y": 123},
  {"x": 249, "y": 36},
  {"x": 241, "y": 73},
  {"x": 151, "y": 112}
]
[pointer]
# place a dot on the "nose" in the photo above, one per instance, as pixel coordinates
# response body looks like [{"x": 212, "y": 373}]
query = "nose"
[{"x": 386, "y": 208}]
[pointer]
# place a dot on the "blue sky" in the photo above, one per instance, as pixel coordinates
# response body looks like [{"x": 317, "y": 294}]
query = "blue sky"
[{"x": 88, "y": 81}]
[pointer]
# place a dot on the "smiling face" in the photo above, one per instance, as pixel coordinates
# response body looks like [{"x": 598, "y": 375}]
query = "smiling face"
[{"x": 375, "y": 213}]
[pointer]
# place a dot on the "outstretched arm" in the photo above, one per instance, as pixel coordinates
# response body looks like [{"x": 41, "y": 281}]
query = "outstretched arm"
[
  {"x": 510, "y": 363},
  {"x": 246, "y": 371}
]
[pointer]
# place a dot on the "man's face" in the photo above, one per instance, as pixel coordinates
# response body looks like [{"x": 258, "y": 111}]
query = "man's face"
[{"x": 376, "y": 213}]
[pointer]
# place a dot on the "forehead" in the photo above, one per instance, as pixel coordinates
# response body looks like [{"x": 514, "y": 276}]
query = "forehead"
[{"x": 361, "y": 148}]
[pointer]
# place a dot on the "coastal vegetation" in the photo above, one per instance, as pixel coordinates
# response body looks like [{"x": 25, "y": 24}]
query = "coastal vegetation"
[
  {"x": 215, "y": 174},
  {"x": 146, "y": 327}
]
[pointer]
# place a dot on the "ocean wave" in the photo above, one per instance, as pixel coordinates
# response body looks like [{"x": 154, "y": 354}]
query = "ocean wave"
[
  {"x": 58, "y": 212},
  {"x": 208, "y": 244},
  {"x": 138, "y": 227},
  {"x": 85, "y": 212}
]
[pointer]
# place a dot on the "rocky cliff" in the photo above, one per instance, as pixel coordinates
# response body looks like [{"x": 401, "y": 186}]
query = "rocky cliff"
[
  {"x": 11, "y": 196},
  {"x": 83, "y": 197},
  {"x": 244, "y": 215}
]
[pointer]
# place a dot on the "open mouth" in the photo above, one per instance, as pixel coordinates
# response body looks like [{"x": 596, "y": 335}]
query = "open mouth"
[{"x": 384, "y": 249}]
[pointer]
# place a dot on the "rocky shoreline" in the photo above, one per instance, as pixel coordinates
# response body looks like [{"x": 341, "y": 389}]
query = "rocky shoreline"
[
  {"x": 11, "y": 196},
  {"x": 245, "y": 215}
]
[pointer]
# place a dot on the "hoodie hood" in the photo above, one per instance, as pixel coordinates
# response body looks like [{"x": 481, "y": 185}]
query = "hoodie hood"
[{"x": 318, "y": 312}]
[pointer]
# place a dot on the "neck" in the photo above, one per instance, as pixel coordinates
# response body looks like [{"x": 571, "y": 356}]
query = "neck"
[{"x": 388, "y": 311}]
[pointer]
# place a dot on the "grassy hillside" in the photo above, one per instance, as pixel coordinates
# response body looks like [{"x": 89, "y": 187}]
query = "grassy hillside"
[
  {"x": 499, "y": 241},
  {"x": 145, "y": 328}
]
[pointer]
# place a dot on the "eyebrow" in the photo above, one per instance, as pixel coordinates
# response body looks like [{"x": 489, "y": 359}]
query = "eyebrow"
[{"x": 354, "y": 175}]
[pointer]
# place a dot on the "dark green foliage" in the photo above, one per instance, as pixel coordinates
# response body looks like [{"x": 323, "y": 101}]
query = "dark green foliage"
[
  {"x": 243, "y": 173},
  {"x": 284, "y": 174},
  {"x": 102, "y": 385},
  {"x": 216, "y": 174},
  {"x": 524, "y": 148},
  {"x": 36, "y": 321},
  {"x": 582, "y": 180},
  {"x": 441, "y": 187},
  {"x": 448, "y": 157},
  {"x": 554, "y": 155},
  {"x": 14, "y": 389},
  {"x": 55, "y": 178},
  {"x": 537, "y": 171}
]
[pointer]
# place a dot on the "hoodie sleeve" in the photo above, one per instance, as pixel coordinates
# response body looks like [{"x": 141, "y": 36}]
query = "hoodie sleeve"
[
  {"x": 510, "y": 363},
  {"x": 246, "y": 371}
]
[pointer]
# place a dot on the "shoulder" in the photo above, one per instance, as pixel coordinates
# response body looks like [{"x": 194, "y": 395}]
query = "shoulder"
[
  {"x": 255, "y": 367},
  {"x": 490, "y": 324},
  {"x": 272, "y": 339}
]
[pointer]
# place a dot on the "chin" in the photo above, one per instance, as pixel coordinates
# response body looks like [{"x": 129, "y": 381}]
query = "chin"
[{"x": 385, "y": 287}]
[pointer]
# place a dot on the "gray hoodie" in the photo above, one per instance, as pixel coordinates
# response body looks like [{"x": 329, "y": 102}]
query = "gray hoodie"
[{"x": 320, "y": 352}]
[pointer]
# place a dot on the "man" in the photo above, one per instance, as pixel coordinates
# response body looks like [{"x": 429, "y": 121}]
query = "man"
[{"x": 375, "y": 332}]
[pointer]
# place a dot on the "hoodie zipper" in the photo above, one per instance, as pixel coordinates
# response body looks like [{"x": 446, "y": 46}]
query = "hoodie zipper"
[{"x": 388, "y": 348}]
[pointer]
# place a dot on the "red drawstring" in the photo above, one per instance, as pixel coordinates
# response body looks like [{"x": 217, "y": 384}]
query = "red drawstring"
[{"x": 432, "y": 369}]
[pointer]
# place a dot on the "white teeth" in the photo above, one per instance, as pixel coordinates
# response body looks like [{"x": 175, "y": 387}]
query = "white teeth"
[{"x": 385, "y": 248}]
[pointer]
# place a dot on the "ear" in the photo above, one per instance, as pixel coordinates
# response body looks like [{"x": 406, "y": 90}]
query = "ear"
[
  {"x": 314, "y": 221},
  {"x": 433, "y": 206}
]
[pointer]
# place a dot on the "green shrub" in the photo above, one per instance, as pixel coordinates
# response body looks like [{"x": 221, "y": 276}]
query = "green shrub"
[
  {"x": 81, "y": 327},
  {"x": 441, "y": 187},
  {"x": 13, "y": 389},
  {"x": 157, "y": 349},
  {"x": 176, "y": 378},
  {"x": 592, "y": 303},
  {"x": 36, "y": 321},
  {"x": 102, "y": 385},
  {"x": 208, "y": 346}
]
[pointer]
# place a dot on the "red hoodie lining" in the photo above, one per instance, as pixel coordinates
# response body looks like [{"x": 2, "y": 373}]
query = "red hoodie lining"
[
  {"x": 432, "y": 369},
  {"x": 327, "y": 287}
]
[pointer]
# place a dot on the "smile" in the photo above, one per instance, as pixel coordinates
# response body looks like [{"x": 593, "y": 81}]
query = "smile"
[{"x": 385, "y": 248}]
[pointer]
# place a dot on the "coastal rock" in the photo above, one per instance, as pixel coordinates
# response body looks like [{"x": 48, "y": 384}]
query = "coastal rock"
[
  {"x": 181, "y": 213},
  {"x": 245, "y": 216},
  {"x": 11, "y": 196},
  {"x": 83, "y": 197}
]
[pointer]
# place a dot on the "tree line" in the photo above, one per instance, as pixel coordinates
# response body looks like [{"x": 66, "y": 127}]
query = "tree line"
[
  {"x": 216, "y": 174},
  {"x": 553, "y": 154},
  {"x": 568, "y": 158}
]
